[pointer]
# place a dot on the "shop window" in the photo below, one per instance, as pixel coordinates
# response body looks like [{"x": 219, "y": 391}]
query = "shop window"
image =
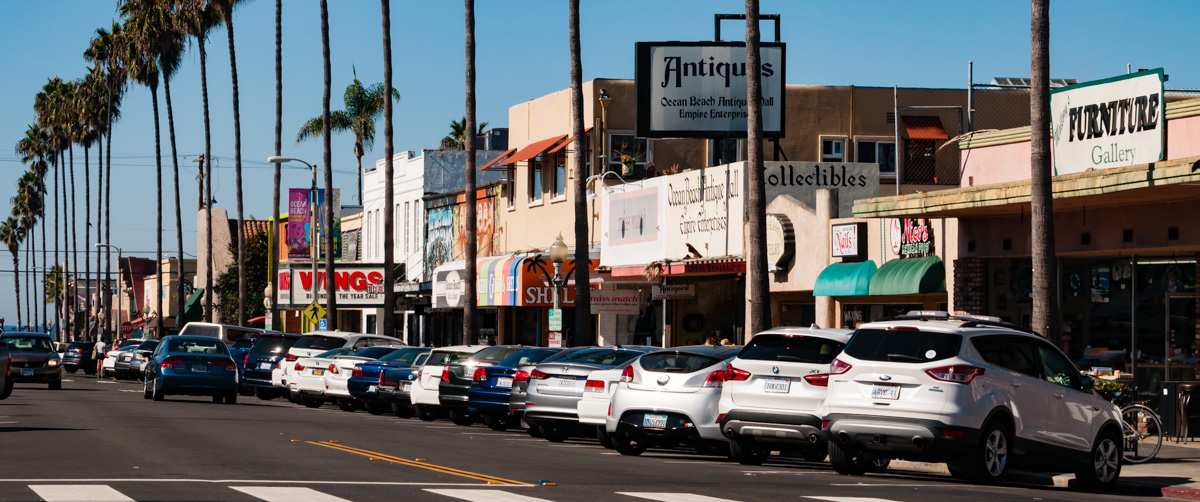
[
  {"x": 535, "y": 183},
  {"x": 560, "y": 175},
  {"x": 628, "y": 155},
  {"x": 877, "y": 151},
  {"x": 833, "y": 149},
  {"x": 724, "y": 151}
]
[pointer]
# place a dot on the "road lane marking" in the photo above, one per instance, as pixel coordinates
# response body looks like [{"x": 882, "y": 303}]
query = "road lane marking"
[
  {"x": 420, "y": 464},
  {"x": 240, "y": 481},
  {"x": 287, "y": 494},
  {"x": 69, "y": 493},
  {"x": 674, "y": 497},
  {"x": 850, "y": 499},
  {"x": 486, "y": 495}
]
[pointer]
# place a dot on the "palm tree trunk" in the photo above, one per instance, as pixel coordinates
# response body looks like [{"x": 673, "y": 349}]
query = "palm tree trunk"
[
  {"x": 278, "y": 152},
  {"x": 158, "y": 283},
  {"x": 359, "y": 157},
  {"x": 1045, "y": 268},
  {"x": 108, "y": 223},
  {"x": 470, "y": 300},
  {"x": 101, "y": 283},
  {"x": 28, "y": 276},
  {"x": 64, "y": 289},
  {"x": 330, "y": 283},
  {"x": 206, "y": 166},
  {"x": 87, "y": 239},
  {"x": 44, "y": 320},
  {"x": 583, "y": 296},
  {"x": 58, "y": 303},
  {"x": 389, "y": 233},
  {"x": 757, "y": 287},
  {"x": 16, "y": 257},
  {"x": 74, "y": 246},
  {"x": 237, "y": 166},
  {"x": 178, "y": 210}
]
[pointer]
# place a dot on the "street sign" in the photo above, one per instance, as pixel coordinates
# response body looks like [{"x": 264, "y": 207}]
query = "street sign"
[
  {"x": 314, "y": 314},
  {"x": 555, "y": 319},
  {"x": 555, "y": 339},
  {"x": 323, "y": 324}
]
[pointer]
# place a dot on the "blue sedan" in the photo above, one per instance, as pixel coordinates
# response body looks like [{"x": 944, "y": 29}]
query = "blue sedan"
[
  {"x": 395, "y": 386},
  {"x": 364, "y": 381},
  {"x": 491, "y": 386},
  {"x": 194, "y": 366}
]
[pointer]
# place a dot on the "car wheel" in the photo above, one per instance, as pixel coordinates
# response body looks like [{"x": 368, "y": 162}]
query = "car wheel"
[
  {"x": 311, "y": 402},
  {"x": 7, "y": 389},
  {"x": 425, "y": 413},
  {"x": 845, "y": 462},
  {"x": 402, "y": 410},
  {"x": 747, "y": 452},
  {"x": 496, "y": 422},
  {"x": 231, "y": 398},
  {"x": 346, "y": 405},
  {"x": 604, "y": 437},
  {"x": 877, "y": 464},
  {"x": 534, "y": 430},
  {"x": 989, "y": 461},
  {"x": 554, "y": 433},
  {"x": 461, "y": 417},
  {"x": 55, "y": 384},
  {"x": 146, "y": 394},
  {"x": 218, "y": 398},
  {"x": 1104, "y": 467},
  {"x": 156, "y": 392},
  {"x": 264, "y": 394},
  {"x": 627, "y": 443},
  {"x": 376, "y": 407},
  {"x": 816, "y": 452}
]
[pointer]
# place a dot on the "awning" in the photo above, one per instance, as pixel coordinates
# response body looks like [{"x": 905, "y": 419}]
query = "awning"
[
  {"x": 533, "y": 150},
  {"x": 513, "y": 280},
  {"x": 499, "y": 158},
  {"x": 845, "y": 279},
  {"x": 191, "y": 306},
  {"x": 569, "y": 140},
  {"x": 925, "y": 128},
  {"x": 910, "y": 276}
]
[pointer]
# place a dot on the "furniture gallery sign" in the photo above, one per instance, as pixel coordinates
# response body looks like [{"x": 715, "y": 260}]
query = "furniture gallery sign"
[
  {"x": 1112, "y": 122},
  {"x": 698, "y": 89},
  {"x": 358, "y": 285}
]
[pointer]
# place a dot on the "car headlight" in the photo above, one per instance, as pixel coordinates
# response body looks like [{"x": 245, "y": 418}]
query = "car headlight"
[{"x": 52, "y": 363}]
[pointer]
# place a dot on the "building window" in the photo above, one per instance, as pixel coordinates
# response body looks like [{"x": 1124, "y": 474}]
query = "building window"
[
  {"x": 724, "y": 151},
  {"x": 405, "y": 220},
  {"x": 535, "y": 182},
  {"x": 510, "y": 188},
  {"x": 628, "y": 154},
  {"x": 873, "y": 151},
  {"x": 560, "y": 175},
  {"x": 833, "y": 149},
  {"x": 370, "y": 236}
]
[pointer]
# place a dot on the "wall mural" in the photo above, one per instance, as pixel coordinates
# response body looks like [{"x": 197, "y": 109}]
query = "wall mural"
[{"x": 447, "y": 238}]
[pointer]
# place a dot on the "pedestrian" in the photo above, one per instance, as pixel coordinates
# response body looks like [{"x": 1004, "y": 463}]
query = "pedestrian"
[
  {"x": 711, "y": 341},
  {"x": 726, "y": 343},
  {"x": 98, "y": 351}
]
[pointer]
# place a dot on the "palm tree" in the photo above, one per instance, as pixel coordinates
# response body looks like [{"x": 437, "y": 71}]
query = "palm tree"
[
  {"x": 274, "y": 279},
  {"x": 170, "y": 56},
  {"x": 26, "y": 206},
  {"x": 757, "y": 287},
  {"x": 457, "y": 138},
  {"x": 199, "y": 17},
  {"x": 471, "y": 248},
  {"x": 583, "y": 296},
  {"x": 71, "y": 127},
  {"x": 327, "y": 158},
  {"x": 389, "y": 232},
  {"x": 11, "y": 234},
  {"x": 45, "y": 106},
  {"x": 1045, "y": 269},
  {"x": 88, "y": 93},
  {"x": 33, "y": 149},
  {"x": 225, "y": 9},
  {"x": 363, "y": 107}
]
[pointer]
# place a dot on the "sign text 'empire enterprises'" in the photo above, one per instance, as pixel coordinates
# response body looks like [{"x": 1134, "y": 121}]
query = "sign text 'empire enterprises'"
[{"x": 1109, "y": 123}]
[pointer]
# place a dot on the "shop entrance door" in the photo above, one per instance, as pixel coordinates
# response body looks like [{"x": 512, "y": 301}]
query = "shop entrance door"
[{"x": 1179, "y": 337}]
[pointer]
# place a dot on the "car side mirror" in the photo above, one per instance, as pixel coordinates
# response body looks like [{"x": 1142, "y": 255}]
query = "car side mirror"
[{"x": 1087, "y": 383}]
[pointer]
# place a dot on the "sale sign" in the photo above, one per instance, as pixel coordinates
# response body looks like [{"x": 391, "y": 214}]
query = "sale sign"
[{"x": 355, "y": 285}]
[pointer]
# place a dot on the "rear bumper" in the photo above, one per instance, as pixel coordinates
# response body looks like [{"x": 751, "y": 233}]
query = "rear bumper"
[
  {"x": 912, "y": 438},
  {"x": 172, "y": 384},
  {"x": 770, "y": 428},
  {"x": 490, "y": 400},
  {"x": 679, "y": 428},
  {"x": 40, "y": 375},
  {"x": 453, "y": 396},
  {"x": 363, "y": 388}
]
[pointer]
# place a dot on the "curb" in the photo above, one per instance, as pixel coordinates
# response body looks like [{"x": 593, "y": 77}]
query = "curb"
[{"x": 1181, "y": 493}]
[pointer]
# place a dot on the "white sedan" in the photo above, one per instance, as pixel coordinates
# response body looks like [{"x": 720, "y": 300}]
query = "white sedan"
[
  {"x": 341, "y": 368},
  {"x": 110, "y": 357},
  {"x": 592, "y": 407},
  {"x": 306, "y": 376}
]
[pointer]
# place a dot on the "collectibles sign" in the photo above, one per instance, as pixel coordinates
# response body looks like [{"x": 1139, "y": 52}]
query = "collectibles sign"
[
  {"x": 800, "y": 181},
  {"x": 1113, "y": 122},
  {"x": 356, "y": 285},
  {"x": 698, "y": 89}
]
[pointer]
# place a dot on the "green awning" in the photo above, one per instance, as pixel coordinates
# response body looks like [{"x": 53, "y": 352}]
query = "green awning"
[
  {"x": 910, "y": 276},
  {"x": 845, "y": 279},
  {"x": 191, "y": 306}
]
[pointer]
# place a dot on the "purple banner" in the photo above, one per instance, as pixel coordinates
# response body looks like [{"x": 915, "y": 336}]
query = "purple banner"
[{"x": 299, "y": 207}]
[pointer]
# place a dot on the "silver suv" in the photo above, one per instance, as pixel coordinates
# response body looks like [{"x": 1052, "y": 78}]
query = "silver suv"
[{"x": 772, "y": 390}]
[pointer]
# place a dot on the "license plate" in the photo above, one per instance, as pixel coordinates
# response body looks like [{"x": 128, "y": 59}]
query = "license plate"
[
  {"x": 566, "y": 382},
  {"x": 265, "y": 366},
  {"x": 372, "y": 388},
  {"x": 26, "y": 372},
  {"x": 777, "y": 385},
  {"x": 404, "y": 387},
  {"x": 654, "y": 421},
  {"x": 879, "y": 391},
  {"x": 199, "y": 368},
  {"x": 504, "y": 382},
  {"x": 318, "y": 372}
]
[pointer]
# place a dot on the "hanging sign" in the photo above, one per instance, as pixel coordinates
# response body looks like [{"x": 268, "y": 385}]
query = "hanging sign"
[{"x": 1111, "y": 122}]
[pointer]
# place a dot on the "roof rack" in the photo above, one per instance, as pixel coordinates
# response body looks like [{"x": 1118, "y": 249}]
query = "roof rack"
[{"x": 969, "y": 320}]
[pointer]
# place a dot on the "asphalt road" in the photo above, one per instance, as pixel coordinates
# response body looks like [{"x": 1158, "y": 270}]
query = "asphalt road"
[{"x": 102, "y": 441}]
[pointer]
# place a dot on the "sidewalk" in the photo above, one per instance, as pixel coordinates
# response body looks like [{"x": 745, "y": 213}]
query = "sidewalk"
[{"x": 1174, "y": 473}]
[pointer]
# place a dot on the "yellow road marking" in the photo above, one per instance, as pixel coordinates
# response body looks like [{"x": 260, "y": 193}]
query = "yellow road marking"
[{"x": 418, "y": 463}]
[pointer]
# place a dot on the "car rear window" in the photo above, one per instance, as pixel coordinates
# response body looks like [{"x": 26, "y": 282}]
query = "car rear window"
[
  {"x": 319, "y": 342},
  {"x": 404, "y": 356},
  {"x": 340, "y": 351},
  {"x": 668, "y": 362},
  {"x": 234, "y": 334},
  {"x": 28, "y": 343},
  {"x": 374, "y": 352},
  {"x": 148, "y": 345},
  {"x": 195, "y": 346},
  {"x": 273, "y": 344},
  {"x": 493, "y": 354},
  {"x": 527, "y": 356},
  {"x": 605, "y": 357},
  {"x": 791, "y": 348},
  {"x": 903, "y": 346}
]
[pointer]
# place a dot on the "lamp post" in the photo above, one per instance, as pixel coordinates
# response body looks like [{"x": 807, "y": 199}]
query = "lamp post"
[
  {"x": 312, "y": 219},
  {"x": 107, "y": 319},
  {"x": 558, "y": 255},
  {"x": 604, "y": 100}
]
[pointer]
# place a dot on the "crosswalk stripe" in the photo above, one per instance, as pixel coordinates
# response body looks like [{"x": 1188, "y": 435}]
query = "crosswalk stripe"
[
  {"x": 485, "y": 495},
  {"x": 850, "y": 499},
  {"x": 287, "y": 494},
  {"x": 674, "y": 497},
  {"x": 78, "y": 493}
]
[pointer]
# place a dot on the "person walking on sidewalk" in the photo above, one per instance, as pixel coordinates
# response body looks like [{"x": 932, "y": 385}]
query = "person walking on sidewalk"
[{"x": 98, "y": 352}]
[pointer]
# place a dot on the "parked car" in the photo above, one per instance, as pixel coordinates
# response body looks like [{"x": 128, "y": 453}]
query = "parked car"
[
  {"x": 32, "y": 359},
  {"x": 6, "y": 382},
  {"x": 191, "y": 365},
  {"x": 130, "y": 363},
  {"x": 395, "y": 386},
  {"x": 772, "y": 390},
  {"x": 669, "y": 397},
  {"x": 339, "y": 371},
  {"x": 108, "y": 368},
  {"x": 365, "y": 383},
  {"x": 228, "y": 333},
  {"x": 79, "y": 356},
  {"x": 306, "y": 381},
  {"x": 592, "y": 407},
  {"x": 261, "y": 361},
  {"x": 424, "y": 393},
  {"x": 316, "y": 342},
  {"x": 971, "y": 392},
  {"x": 555, "y": 387},
  {"x": 489, "y": 387},
  {"x": 520, "y": 389}
]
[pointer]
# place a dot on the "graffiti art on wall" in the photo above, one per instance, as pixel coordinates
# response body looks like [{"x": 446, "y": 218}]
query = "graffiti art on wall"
[
  {"x": 447, "y": 238},
  {"x": 439, "y": 242}
]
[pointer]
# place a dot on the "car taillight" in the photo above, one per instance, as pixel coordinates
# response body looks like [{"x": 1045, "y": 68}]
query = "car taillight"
[
  {"x": 817, "y": 379},
  {"x": 246, "y": 360},
  {"x": 445, "y": 375},
  {"x": 593, "y": 386},
  {"x": 521, "y": 376},
  {"x": 824, "y": 425},
  {"x": 736, "y": 374},
  {"x": 479, "y": 375},
  {"x": 956, "y": 373},
  {"x": 357, "y": 371},
  {"x": 716, "y": 378},
  {"x": 627, "y": 374},
  {"x": 838, "y": 366},
  {"x": 332, "y": 368},
  {"x": 538, "y": 375},
  {"x": 298, "y": 367},
  {"x": 171, "y": 362},
  {"x": 291, "y": 357},
  {"x": 227, "y": 365}
]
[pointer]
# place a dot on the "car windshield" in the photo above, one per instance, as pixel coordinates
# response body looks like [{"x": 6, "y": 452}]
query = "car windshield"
[
  {"x": 148, "y": 345},
  {"x": 235, "y": 334},
  {"x": 494, "y": 354},
  {"x": 404, "y": 357},
  {"x": 600, "y": 356},
  {"x": 373, "y": 352},
  {"x": 242, "y": 343},
  {"x": 318, "y": 342},
  {"x": 791, "y": 348},
  {"x": 440, "y": 357},
  {"x": 196, "y": 346},
  {"x": 28, "y": 343},
  {"x": 903, "y": 345},
  {"x": 273, "y": 344},
  {"x": 335, "y": 352},
  {"x": 669, "y": 362},
  {"x": 528, "y": 356}
]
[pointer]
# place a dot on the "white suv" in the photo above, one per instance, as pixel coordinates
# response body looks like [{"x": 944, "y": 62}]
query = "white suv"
[
  {"x": 772, "y": 391},
  {"x": 971, "y": 392}
]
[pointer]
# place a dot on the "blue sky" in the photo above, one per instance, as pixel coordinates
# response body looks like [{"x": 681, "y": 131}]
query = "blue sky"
[{"x": 522, "y": 53}]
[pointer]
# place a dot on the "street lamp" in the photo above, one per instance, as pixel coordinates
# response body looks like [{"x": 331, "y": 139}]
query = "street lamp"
[
  {"x": 103, "y": 245},
  {"x": 604, "y": 100},
  {"x": 312, "y": 217},
  {"x": 558, "y": 256}
]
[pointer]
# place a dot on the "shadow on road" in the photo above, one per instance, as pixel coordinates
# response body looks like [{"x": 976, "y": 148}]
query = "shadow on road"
[{"x": 38, "y": 429}]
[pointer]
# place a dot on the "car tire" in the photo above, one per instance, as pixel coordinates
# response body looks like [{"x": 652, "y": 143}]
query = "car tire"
[
  {"x": 845, "y": 462},
  {"x": 231, "y": 398},
  {"x": 989, "y": 460},
  {"x": 746, "y": 452},
  {"x": 312, "y": 402},
  {"x": 534, "y": 430},
  {"x": 265, "y": 394},
  {"x": 425, "y": 413},
  {"x": 461, "y": 417},
  {"x": 218, "y": 398},
  {"x": 626, "y": 443},
  {"x": 816, "y": 452},
  {"x": 146, "y": 389},
  {"x": 604, "y": 437},
  {"x": 1103, "y": 468},
  {"x": 55, "y": 384},
  {"x": 347, "y": 405},
  {"x": 402, "y": 410},
  {"x": 376, "y": 407},
  {"x": 554, "y": 433},
  {"x": 156, "y": 392},
  {"x": 496, "y": 422},
  {"x": 7, "y": 389}
]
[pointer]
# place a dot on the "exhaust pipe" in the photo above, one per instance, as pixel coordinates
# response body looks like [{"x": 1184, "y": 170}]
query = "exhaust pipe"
[
  {"x": 843, "y": 437},
  {"x": 812, "y": 438},
  {"x": 919, "y": 442}
]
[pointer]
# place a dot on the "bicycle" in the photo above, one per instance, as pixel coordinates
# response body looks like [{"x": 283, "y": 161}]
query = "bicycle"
[{"x": 1141, "y": 427}]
